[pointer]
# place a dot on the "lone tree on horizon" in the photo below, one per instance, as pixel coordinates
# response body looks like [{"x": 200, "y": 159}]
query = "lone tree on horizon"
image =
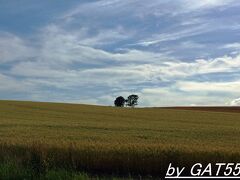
[
  {"x": 119, "y": 101},
  {"x": 132, "y": 100}
]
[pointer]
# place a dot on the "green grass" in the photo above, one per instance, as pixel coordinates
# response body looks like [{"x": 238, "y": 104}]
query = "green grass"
[
  {"x": 12, "y": 170},
  {"x": 109, "y": 140}
]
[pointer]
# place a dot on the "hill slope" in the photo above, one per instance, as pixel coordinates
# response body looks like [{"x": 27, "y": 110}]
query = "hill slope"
[
  {"x": 232, "y": 109},
  {"x": 53, "y": 122},
  {"x": 110, "y": 136}
]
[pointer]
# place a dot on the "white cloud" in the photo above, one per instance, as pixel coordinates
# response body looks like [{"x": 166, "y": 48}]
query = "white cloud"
[
  {"x": 203, "y": 4},
  {"x": 113, "y": 8},
  {"x": 59, "y": 54},
  {"x": 76, "y": 53},
  {"x": 191, "y": 45},
  {"x": 58, "y": 45},
  {"x": 203, "y": 66},
  {"x": 235, "y": 102},
  {"x": 10, "y": 84},
  {"x": 141, "y": 9},
  {"x": 40, "y": 69},
  {"x": 191, "y": 86},
  {"x": 174, "y": 35},
  {"x": 234, "y": 46},
  {"x": 13, "y": 48},
  {"x": 168, "y": 96}
]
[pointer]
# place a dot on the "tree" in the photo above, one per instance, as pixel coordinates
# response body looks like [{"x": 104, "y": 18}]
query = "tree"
[
  {"x": 132, "y": 100},
  {"x": 119, "y": 101}
]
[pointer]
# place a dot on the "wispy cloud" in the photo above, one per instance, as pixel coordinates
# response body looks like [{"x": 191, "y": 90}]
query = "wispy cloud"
[
  {"x": 100, "y": 49},
  {"x": 188, "y": 32},
  {"x": 10, "y": 84},
  {"x": 53, "y": 66},
  {"x": 233, "y": 46},
  {"x": 235, "y": 102},
  {"x": 203, "y": 87},
  {"x": 205, "y": 4},
  {"x": 13, "y": 48}
]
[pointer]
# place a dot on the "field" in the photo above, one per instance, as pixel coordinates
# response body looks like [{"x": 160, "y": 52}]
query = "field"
[{"x": 45, "y": 138}]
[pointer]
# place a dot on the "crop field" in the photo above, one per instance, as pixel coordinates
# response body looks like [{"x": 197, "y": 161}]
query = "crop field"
[{"x": 48, "y": 137}]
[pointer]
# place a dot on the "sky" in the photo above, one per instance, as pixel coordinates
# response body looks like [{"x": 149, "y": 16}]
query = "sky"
[{"x": 169, "y": 52}]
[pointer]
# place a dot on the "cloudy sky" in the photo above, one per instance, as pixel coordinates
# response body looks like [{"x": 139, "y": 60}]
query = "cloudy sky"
[{"x": 169, "y": 52}]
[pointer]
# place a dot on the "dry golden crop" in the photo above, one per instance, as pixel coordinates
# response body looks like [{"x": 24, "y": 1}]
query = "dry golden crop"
[{"x": 113, "y": 140}]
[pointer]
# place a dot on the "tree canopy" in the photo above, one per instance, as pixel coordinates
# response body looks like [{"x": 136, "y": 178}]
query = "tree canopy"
[
  {"x": 119, "y": 101},
  {"x": 132, "y": 100}
]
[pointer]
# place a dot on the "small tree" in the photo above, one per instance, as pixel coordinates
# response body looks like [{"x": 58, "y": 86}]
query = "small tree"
[
  {"x": 119, "y": 101},
  {"x": 132, "y": 100}
]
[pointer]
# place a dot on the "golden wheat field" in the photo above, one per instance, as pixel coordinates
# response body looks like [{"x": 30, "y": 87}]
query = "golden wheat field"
[{"x": 121, "y": 141}]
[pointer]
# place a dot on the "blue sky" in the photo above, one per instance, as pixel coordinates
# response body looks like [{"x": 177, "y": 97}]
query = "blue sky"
[{"x": 169, "y": 52}]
